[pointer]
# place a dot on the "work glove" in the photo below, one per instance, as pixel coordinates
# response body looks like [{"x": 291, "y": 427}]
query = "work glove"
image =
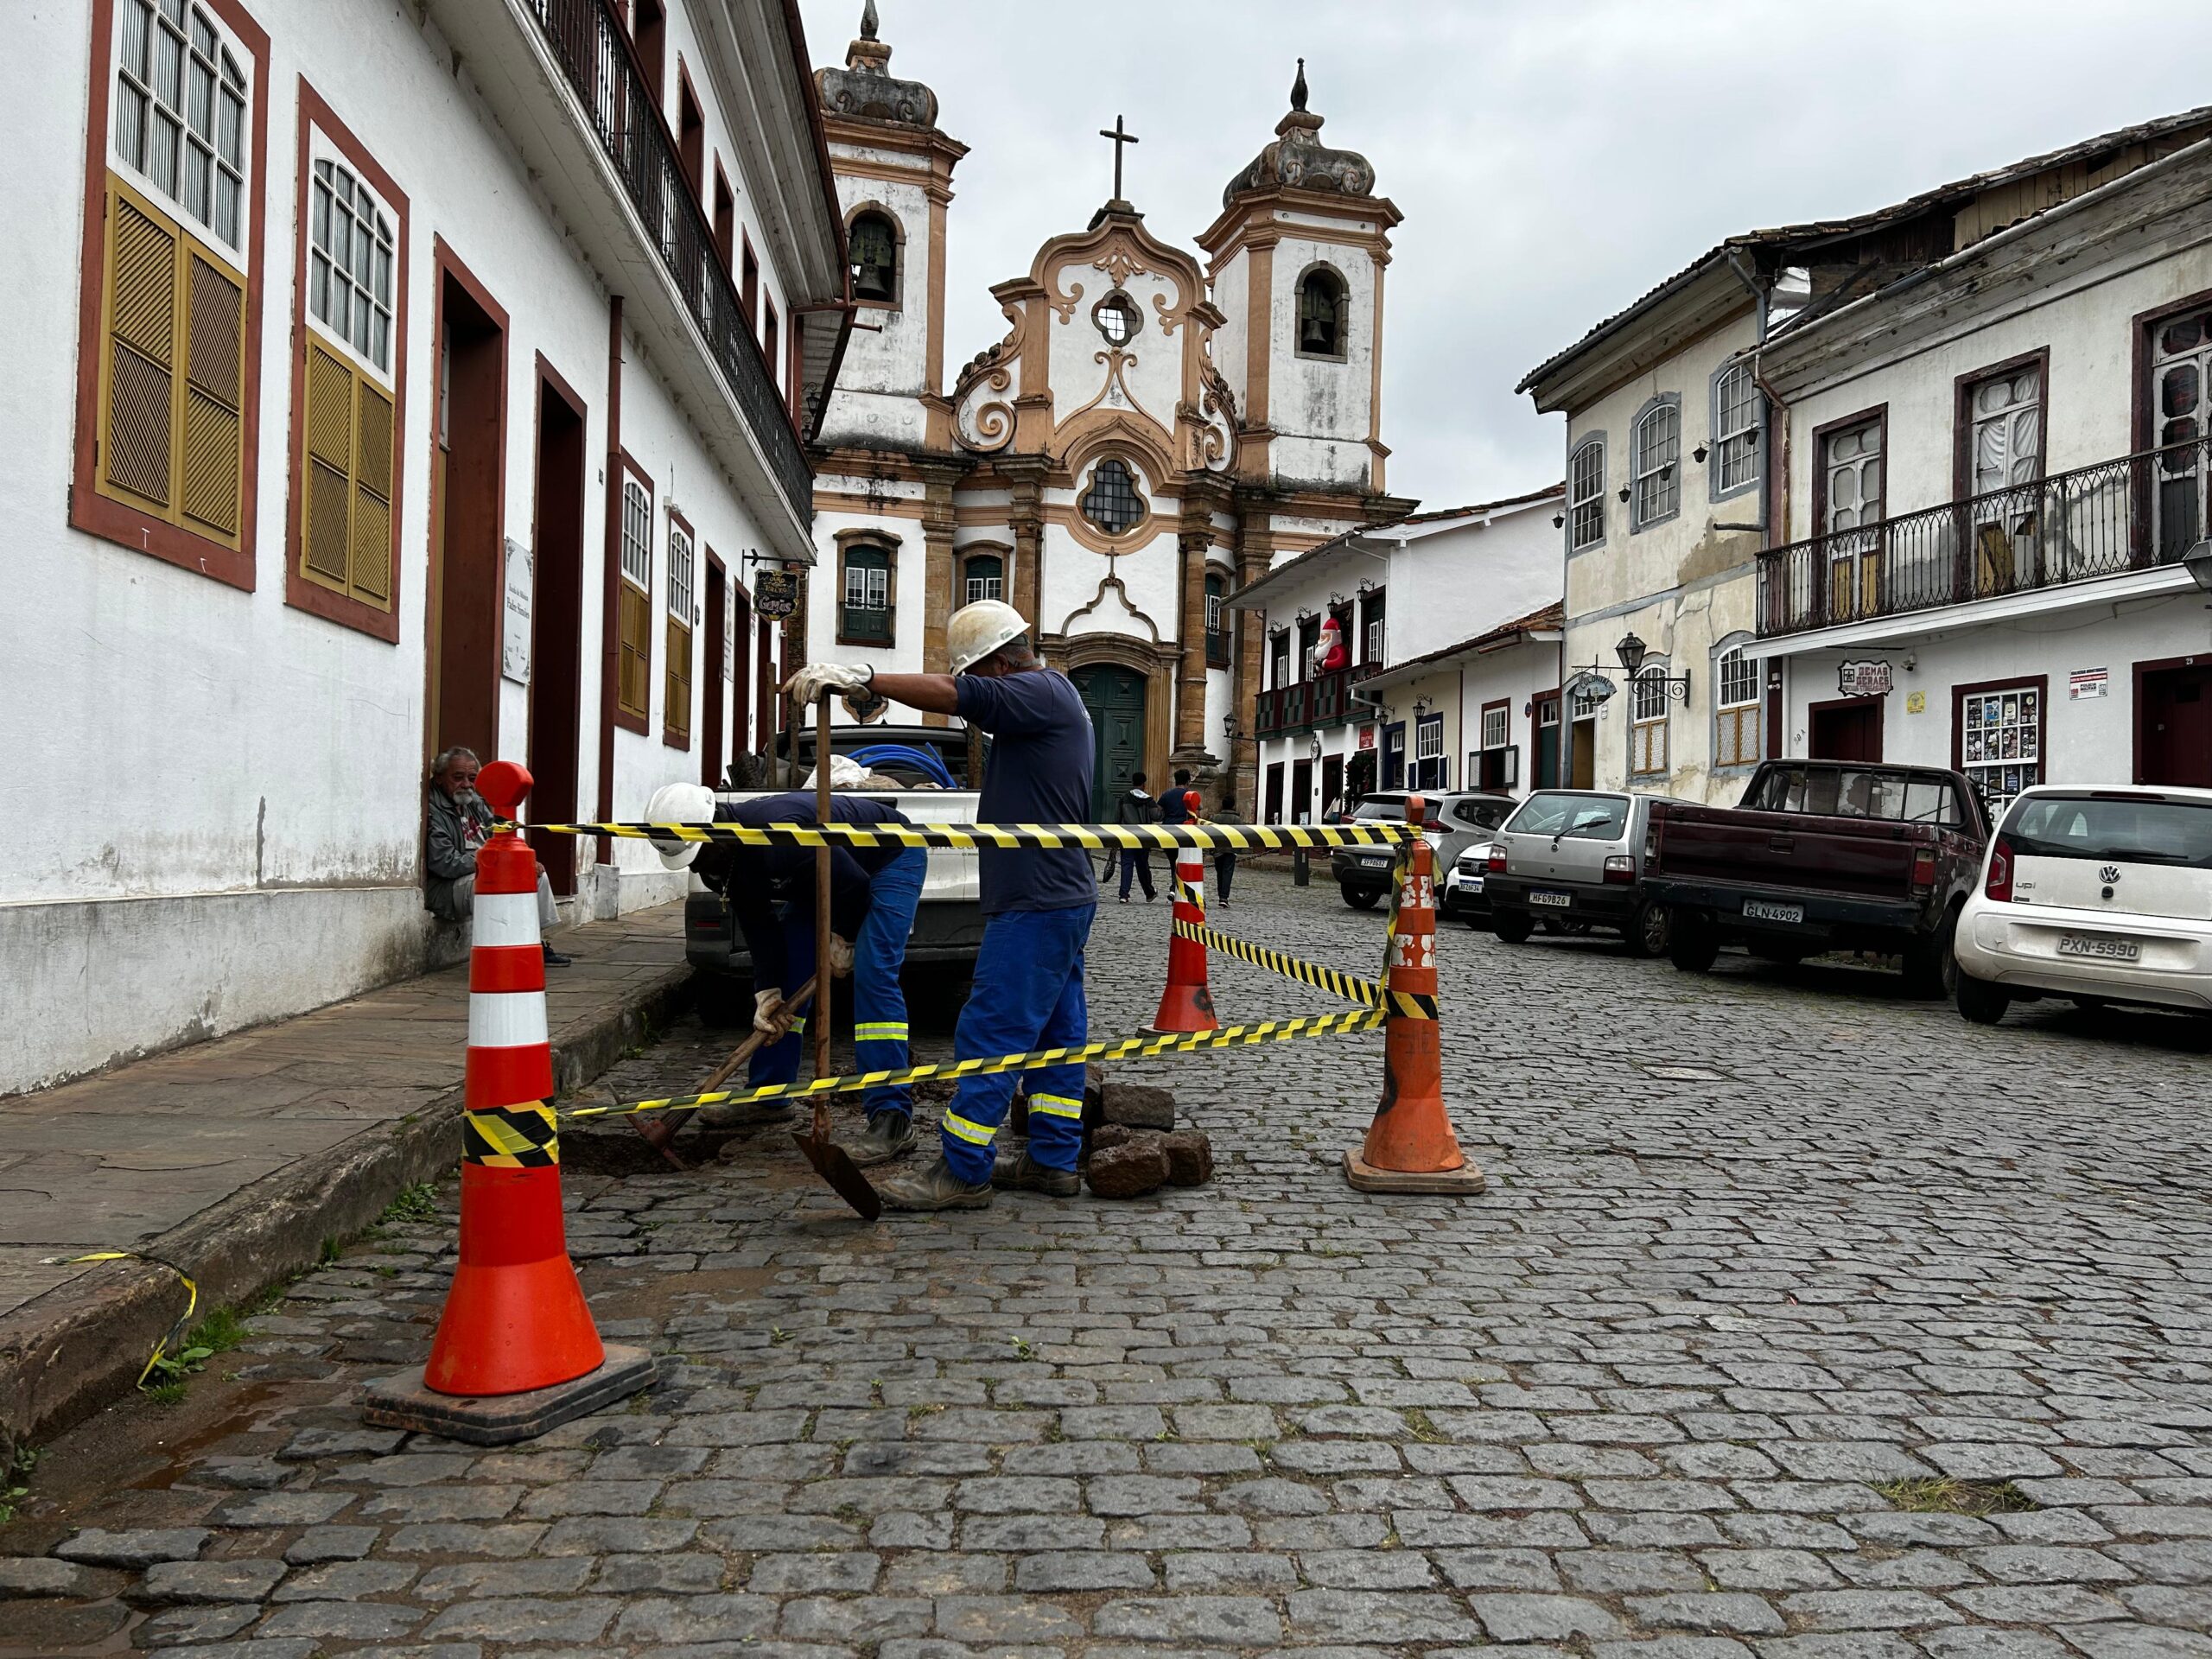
[
  {"x": 865, "y": 707},
  {"x": 810, "y": 681},
  {"x": 766, "y": 1006},
  {"x": 841, "y": 957}
]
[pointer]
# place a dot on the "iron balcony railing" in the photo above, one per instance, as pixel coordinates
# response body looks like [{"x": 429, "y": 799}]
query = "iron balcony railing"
[
  {"x": 1321, "y": 701},
  {"x": 594, "y": 52},
  {"x": 2135, "y": 513}
]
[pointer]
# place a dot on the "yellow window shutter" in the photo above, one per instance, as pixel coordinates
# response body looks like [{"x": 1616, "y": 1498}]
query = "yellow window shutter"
[
  {"x": 214, "y": 339},
  {"x": 139, "y": 419},
  {"x": 679, "y": 678},
  {"x": 372, "y": 470},
  {"x": 326, "y": 532},
  {"x": 635, "y": 625}
]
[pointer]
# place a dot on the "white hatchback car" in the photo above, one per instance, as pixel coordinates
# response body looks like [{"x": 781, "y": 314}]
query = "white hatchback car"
[{"x": 2103, "y": 895}]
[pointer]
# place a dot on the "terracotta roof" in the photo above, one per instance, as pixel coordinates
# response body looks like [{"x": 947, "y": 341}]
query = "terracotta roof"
[{"x": 1814, "y": 231}]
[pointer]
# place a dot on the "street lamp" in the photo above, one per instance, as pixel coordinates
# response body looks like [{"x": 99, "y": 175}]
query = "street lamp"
[
  {"x": 1228, "y": 726},
  {"x": 2198, "y": 563},
  {"x": 1629, "y": 653}
]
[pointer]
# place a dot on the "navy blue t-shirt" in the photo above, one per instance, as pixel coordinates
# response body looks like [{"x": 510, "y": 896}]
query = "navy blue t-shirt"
[
  {"x": 759, "y": 876},
  {"x": 1038, "y": 772},
  {"x": 1179, "y": 804}
]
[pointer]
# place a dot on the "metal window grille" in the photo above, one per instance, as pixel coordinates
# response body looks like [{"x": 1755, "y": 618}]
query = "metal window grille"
[
  {"x": 2001, "y": 742},
  {"x": 1587, "y": 495},
  {"x": 1737, "y": 436},
  {"x": 1657, "y": 448},
  {"x": 1112, "y": 502},
  {"x": 679, "y": 573},
  {"x": 179, "y": 120},
  {"x": 986, "y": 579},
  {"x": 1651, "y": 694},
  {"x": 1117, "y": 319},
  {"x": 349, "y": 270},
  {"x": 637, "y": 535},
  {"x": 1739, "y": 680}
]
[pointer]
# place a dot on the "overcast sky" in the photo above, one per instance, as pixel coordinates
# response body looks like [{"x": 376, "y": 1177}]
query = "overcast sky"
[{"x": 1551, "y": 160}]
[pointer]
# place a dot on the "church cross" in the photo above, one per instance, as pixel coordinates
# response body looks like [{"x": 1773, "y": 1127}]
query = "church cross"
[{"x": 1119, "y": 138}]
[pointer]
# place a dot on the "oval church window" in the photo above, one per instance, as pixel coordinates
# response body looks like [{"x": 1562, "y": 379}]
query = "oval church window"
[
  {"x": 1117, "y": 319},
  {"x": 1112, "y": 502}
]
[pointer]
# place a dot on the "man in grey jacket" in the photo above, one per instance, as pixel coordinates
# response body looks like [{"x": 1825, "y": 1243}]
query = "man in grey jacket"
[{"x": 460, "y": 821}]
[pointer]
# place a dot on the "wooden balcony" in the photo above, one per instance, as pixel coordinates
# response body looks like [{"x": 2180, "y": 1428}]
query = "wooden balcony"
[{"x": 1314, "y": 705}]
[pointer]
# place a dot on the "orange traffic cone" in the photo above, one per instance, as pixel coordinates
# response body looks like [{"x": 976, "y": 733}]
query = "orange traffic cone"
[
  {"x": 1410, "y": 1147},
  {"x": 516, "y": 1351},
  {"x": 1187, "y": 1005}
]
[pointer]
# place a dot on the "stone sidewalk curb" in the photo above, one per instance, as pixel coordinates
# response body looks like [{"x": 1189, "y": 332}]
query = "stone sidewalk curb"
[{"x": 64, "y": 1354}]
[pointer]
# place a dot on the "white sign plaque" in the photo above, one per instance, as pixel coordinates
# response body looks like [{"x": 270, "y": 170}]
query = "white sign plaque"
[{"x": 514, "y": 652}]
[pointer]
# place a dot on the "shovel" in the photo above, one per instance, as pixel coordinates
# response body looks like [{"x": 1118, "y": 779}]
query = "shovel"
[
  {"x": 661, "y": 1128},
  {"x": 831, "y": 1162}
]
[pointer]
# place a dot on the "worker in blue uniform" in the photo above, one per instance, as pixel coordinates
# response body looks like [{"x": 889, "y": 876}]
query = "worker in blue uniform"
[
  {"x": 1037, "y": 903},
  {"x": 873, "y": 892}
]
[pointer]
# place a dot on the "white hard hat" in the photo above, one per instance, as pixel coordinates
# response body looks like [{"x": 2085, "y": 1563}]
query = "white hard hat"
[
  {"x": 975, "y": 630},
  {"x": 845, "y": 772},
  {"x": 679, "y": 804}
]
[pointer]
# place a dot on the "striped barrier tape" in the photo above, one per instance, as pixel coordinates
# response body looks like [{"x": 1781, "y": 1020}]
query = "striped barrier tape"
[
  {"x": 512, "y": 1137},
  {"x": 1126, "y": 1048},
  {"x": 1221, "y": 837},
  {"x": 1405, "y": 1004},
  {"x": 174, "y": 1335}
]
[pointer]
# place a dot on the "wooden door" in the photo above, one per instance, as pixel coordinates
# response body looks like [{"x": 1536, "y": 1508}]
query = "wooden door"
[
  {"x": 1333, "y": 780},
  {"x": 1847, "y": 730},
  {"x": 2176, "y": 714},
  {"x": 1116, "y": 698}
]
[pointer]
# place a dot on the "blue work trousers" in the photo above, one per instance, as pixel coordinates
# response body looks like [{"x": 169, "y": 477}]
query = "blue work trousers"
[
  {"x": 880, "y": 1030},
  {"x": 778, "y": 1061},
  {"x": 1028, "y": 995}
]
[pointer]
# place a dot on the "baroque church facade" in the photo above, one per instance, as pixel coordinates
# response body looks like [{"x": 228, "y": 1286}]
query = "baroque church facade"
[{"x": 1152, "y": 432}]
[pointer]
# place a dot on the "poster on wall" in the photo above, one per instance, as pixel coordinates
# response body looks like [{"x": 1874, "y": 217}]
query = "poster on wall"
[
  {"x": 1366, "y": 737},
  {"x": 2087, "y": 683},
  {"x": 514, "y": 645}
]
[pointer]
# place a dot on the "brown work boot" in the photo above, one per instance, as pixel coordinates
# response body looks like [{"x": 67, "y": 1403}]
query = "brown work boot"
[
  {"x": 1020, "y": 1170},
  {"x": 935, "y": 1188},
  {"x": 889, "y": 1134}
]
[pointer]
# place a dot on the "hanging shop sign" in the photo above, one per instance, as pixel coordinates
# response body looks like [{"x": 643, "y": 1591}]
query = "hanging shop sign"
[
  {"x": 1366, "y": 737},
  {"x": 775, "y": 594},
  {"x": 1864, "y": 679}
]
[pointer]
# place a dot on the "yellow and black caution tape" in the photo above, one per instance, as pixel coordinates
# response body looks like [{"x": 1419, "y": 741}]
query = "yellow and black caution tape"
[
  {"x": 1229, "y": 838},
  {"x": 512, "y": 1137},
  {"x": 1126, "y": 1048},
  {"x": 1351, "y": 987},
  {"x": 174, "y": 1334}
]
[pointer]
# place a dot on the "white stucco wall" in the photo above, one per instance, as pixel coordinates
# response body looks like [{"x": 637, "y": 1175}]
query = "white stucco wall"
[{"x": 223, "y": 793}]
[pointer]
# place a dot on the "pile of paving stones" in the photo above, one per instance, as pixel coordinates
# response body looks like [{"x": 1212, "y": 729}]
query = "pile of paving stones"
[{"x": 1130, "y": 1144}]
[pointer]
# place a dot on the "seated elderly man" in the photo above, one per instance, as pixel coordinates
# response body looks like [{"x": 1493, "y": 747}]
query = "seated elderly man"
[{"x": 460, "y": 821}]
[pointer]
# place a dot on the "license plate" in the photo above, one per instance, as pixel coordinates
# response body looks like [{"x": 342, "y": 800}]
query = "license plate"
[
  {"x": 2091, "y": 944},
  {"x": 1377, "y": 861},
  {"x": 1555, "y": 901},
  {"x": 1759, "y": 911}
]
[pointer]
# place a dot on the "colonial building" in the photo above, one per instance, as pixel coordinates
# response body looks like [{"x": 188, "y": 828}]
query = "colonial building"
[
  {"x": 1921, "y": 483},
  {"x": 1451, "y": 627},
  {"x": 389, "y": 378},
  {"x": 1151, "y": 432}
]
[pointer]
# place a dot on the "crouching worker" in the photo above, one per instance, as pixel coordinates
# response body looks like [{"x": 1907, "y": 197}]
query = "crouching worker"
[
  {"x": 874, "y": 892},
  {"x": 1037, "y": 903}
]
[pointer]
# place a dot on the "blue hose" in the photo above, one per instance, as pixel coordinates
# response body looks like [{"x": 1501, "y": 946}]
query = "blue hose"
[{"x": 928, "y": 762}]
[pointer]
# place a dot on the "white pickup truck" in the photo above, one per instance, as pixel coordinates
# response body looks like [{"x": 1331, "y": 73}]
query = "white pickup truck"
[{"x": 948, "y": 924}]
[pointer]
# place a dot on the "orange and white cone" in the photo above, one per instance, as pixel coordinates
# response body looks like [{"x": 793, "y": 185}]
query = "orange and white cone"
[
  {"x": 1187, "y": 1005},
  {"x": 516, "y": 1351},
  {"x": 1410, "y": 1147}
]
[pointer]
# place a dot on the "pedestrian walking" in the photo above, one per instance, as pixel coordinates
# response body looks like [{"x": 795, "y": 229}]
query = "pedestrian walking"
[
  {"x": 1224, "y": 858},
  {"x": 1037, "y": 903},
  {"x": 874, "y": 892},
  {"x": 1136, "y": 807}
]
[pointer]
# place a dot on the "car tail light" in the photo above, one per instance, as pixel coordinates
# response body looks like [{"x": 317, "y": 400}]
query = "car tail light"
[
  {"x": 1999, "y": 884},
  {"x": 1496, "y": 861},
  {"x": 1923, "y": 869},
  {"x": 1620, "y": 868}
]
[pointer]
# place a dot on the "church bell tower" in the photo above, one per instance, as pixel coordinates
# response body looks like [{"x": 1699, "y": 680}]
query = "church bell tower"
[{"x": 1298, "y": 257}]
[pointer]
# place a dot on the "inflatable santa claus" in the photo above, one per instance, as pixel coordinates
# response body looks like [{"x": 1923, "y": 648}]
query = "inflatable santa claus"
[{"x": 1331, "y": 654}]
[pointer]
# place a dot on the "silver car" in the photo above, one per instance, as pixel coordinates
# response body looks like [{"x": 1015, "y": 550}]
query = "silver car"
[
  {"x": 1457, "y": 819},
  {"x": 1572, "y": 859}
]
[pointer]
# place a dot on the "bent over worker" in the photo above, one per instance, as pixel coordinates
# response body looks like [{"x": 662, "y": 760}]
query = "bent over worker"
[
  {"x": 1037, "y": 903},
  {"x": 874, "y": 892}
]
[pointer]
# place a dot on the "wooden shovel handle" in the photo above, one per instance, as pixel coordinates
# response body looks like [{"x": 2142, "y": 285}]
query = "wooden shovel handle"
[{"x": 744, "y": 1051}]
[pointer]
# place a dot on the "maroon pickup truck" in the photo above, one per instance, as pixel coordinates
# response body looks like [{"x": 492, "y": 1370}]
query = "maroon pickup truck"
[{"x": 1822, "y": 856}]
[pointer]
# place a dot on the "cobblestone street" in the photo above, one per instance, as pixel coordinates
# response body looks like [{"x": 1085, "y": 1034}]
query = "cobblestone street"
[{"x": 1800, "y": 1319}]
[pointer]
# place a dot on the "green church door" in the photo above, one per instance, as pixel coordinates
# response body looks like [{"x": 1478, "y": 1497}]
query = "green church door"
[{"x": 1114, "y": 697}]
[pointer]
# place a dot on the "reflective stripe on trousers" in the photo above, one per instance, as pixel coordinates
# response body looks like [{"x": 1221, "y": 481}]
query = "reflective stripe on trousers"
[{"x": 1028, "y": 995}]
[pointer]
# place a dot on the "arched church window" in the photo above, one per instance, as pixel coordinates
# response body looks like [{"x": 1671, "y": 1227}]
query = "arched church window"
[
  {"x": 1112, "y": 502},
  {"x": 1321, "y": 314},
  {"x": 1117, "y": 318},
  {"x": 985, "y": 576},
  {"x": 874, "y": 243}
]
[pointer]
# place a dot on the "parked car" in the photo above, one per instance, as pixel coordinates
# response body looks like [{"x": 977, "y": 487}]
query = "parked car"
[
  {"x": 1456, "y": 820},
  {"x": 1573, "y": 857},
  {"x": 1464, "y": 893},
  {"x": 2103, "y": 895},
  {"x": 948, "y": 927},
  {"x": 1822, "y": 855}
]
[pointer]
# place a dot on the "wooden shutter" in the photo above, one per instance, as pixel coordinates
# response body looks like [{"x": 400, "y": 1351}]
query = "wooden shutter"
[
  {"x": 635, "y": 625},
  {"x": 172, "y": 422},
  {"x": 345, "y": 509},
  {"x": 679, "y": 679}
]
